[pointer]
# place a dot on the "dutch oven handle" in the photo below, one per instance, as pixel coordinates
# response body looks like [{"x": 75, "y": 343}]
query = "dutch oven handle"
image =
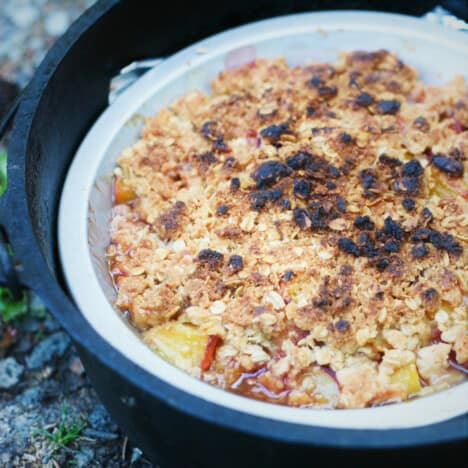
[{"x": 8, "y": 275}]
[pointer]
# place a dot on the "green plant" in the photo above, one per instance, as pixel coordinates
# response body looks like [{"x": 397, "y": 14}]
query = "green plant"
[
  {"x": 65, "y": 431},
  {"x": 11, "y": 309},
  {"x": 3, "y": 171}
]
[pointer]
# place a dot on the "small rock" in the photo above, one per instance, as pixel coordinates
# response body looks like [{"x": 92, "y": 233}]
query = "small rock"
[
  {"x": 30, "y": 397},
  {"x": 76, "y": 366},
  {"x": 136, "y": 454},
  {"x": 50, "y": 324},
  {"x": 56, "y": 23},
  {"x": 54, "y": 345},
  {"x": 84, "y": 457},
  {"x": 100, "y": 420},
  {"x": 10, "y": 372}
]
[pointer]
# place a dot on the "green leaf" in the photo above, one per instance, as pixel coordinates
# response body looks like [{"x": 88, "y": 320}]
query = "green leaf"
[
  {"x": 3, "y": 172},
  {"x": 9, "y": 308}
]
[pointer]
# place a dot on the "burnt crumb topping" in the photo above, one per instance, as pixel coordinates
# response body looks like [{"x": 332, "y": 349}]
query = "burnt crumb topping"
[
  {"x": 300, "y": 160},
  {"x": 427, "y": 214},
  {"x": 364, "y": 223},
  {"x": 345, "y": 138},
  {"x": 302, "y": 188},
  {"x": 349, "y": 246},
  {"x": 260, "y": 198},
  {"x": 235, "y": 184},
  {"x": 448, "y": 165},
  {"x": 364, "y": 99},
  {"x": 268, "y": 173},
  {"x": 419, "y": 251},
  {"x": 421, "y": 124},
  {"x": 368, "y": 181},
  {"x": 222, "y": 210},
  {"x": 408, "y": 204},
  {"x": 389, "y": 161},
  {"x": 342, "y": 326},
  {"x": 287, "y": 276},
  {"x": 235, "y": 263},
  {"x": 302, "y": 223},
  {"x": 274, "y": 132},
  {"x": 391, "y": 106},
  {"x": 211, "y": 258}
]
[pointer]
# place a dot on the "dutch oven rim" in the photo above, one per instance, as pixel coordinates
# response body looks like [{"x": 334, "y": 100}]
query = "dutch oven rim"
[{"x": 35, "y": 274}]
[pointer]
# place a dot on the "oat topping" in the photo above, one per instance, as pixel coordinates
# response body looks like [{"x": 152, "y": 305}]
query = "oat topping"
[{"x": 300, "y": 235}]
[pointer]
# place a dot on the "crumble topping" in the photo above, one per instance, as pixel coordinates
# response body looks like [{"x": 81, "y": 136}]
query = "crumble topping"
[{"x": 300, "y": 234}]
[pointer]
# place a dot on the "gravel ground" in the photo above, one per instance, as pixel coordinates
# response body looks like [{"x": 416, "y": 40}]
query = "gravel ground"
[{"x": 49, "y": 413}]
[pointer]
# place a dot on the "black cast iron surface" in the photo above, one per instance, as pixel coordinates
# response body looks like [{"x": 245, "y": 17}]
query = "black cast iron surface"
[{"x": 68, "y": 92}]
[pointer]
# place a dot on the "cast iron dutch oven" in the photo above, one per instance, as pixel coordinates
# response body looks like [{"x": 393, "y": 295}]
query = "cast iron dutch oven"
[{"x": 173, "y": 425}]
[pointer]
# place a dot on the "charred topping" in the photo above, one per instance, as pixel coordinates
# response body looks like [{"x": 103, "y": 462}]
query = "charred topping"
[
  {"x": 260, "y": 198},
  {"x": 441, "y": 241},
  {"x": 211, "y": 258},
  {"x": 349, "y": 246},
  {"x": 367, "y": 245},
  {"x": 364, "y": 223},
  {"x": 230, "y": 163},
  {"x": 205, "y": 160},
  {"x": 342, "y": 326},
  {"x": 449, "y": 165},
  {"x": 412, "y": 168},
  {"x": 316, "y": 81},
  {"x": 341, "y": 204},
  {"x": 269, "y": 172},
  {"x": 421, "y": 235},
  {"x": 345, "y": 138},
  {"x": 302, "y": 188},
  {"x": 352, "y": 82},
  {"x": 209, "y": 130},
  {"x": 302, "y": 218},
  {"x": 368, "y": 180},
  {"x": 409, "y": 181},
  {"x": 300, "y": 160},
  {"x": 287, "y": 276},
  {"x": 311, "y": 111},
  {"x": 382, "y": 263},
  {"x": 408, "y": 204},
  {"x": 169, "y": 222},
  {"x": 391, "y": 245},
  {"x": 391, "y": 106},
  {"x": 346, "y": 270},
  {"x": 285, "y": 204},
  {"x": 427, "y": 214},
  {"x": 319, "y": 217},
  {"x": 235, "y": 184},
  {"x": 393, "y": 229},
  {"x": 389, "y": 161},
  {"x": 364, "y": 100},
  {"x": 327, "y": 92},
  {"x": 419, "y": 251},
  {"x": 274, "y": 132},
  {"x": 379, "y": 295},
  {"x": 430, "y": 294},
  {"x": 421, "y": 124},
  {"x": 235, "y": 263},
  {"x": 222, "y": 210},
  {"x": 445, "y": 241}
]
